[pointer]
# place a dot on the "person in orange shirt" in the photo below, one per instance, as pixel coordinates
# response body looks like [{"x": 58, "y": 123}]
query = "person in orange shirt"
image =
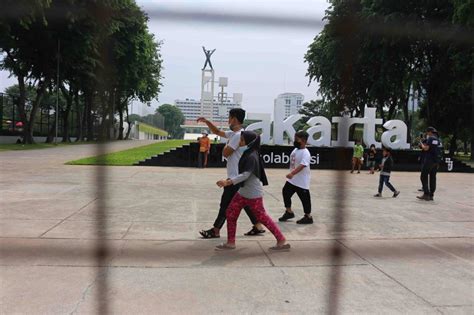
[{"x": 204, "y": 148}]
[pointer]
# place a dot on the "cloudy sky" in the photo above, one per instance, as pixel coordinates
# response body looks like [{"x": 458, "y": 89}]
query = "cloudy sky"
[{"x": 260, "y": 61}]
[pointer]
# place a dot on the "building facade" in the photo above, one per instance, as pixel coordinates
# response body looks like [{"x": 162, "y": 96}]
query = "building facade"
[
  {"x": 192, "y": 109},
  {"x": 289, "y": 103}
]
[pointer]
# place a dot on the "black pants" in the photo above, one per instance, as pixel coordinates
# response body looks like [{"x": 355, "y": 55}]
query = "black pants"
[
  {"x": 429, "y": 170},
  {"x": 289, "y": 190},
  {"x": 227, "y": 195},
  {"x": 385, "y": 179},
  {"x": 202, "y": 159}
]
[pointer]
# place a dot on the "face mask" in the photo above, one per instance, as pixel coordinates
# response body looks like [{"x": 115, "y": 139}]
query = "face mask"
[
  {"x": 243, "y": 149},
  {"x": 297, "y": 144},
  {"x": 231, "y": 127}
]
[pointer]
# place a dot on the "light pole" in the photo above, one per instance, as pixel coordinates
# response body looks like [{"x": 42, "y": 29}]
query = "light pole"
[{"x": 223, "y": 81}]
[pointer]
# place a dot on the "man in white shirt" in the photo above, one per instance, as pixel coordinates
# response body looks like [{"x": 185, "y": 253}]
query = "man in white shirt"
[
  {"x": 298, "y": 180},
  {"x": 232, "y": 154}
]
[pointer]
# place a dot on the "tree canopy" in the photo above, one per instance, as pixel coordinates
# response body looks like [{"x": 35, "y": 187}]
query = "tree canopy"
[
  {"x": 173, "y": 119},
  {"x": 105, "y": 52},
  {"x": 380, "y": 52}
]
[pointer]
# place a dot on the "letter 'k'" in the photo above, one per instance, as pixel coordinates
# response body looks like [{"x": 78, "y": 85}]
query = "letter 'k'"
[{"x": 286, "y": 126}]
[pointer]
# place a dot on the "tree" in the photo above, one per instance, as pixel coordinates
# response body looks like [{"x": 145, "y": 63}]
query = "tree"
[
  {"x": 173, "y": 119},
  {"x": 318, "y": 108},
  {"x": 106, "y": 54},
  {"x": 376, "y": 52}
]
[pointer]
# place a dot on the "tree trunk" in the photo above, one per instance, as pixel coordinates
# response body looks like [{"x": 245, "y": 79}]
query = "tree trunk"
[
  {"x": 21, "y": 102},
  {"x": 453, "y": 145},
  {"x": 69, "y": 97},
  {"x": 36, "y": 104},
  {"x": 88, "y": 114},
  {"x": 406, "y": 114},
  {"x": 380, "y": 109},
  {"x": 472, "y": 148},
  {"x": 129, "y": 129},
  {"x": 391, "y": 110},
  {"x": 79, "y": 118},
  {"x": 52, "y": 132},
  {"x": 120, "y": 133},
  {"x": 472, "y": 118}
]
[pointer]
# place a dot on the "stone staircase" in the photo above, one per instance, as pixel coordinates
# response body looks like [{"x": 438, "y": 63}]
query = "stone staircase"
[{"x": 187, "y": 156}]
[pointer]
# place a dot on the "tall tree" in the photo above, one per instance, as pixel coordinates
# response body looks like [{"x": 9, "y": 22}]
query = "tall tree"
[
  {"x": 376, "y": 52},
  {"x": 173, "y": 119}
]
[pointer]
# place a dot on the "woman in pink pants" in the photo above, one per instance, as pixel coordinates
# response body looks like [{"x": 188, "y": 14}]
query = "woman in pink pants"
[{"x": 251, "y": 178}]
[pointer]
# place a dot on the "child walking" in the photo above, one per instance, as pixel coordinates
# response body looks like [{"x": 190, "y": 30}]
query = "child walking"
[
  {"x": 386, "y": 169},
  {"x": 298, "y": 180},
  {"x": 251, "y": 177},
  {"x": 371, "y": 155}
]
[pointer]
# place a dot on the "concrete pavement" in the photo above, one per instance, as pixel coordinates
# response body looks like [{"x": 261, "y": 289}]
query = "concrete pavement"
[{"x": 399, "y": 256}]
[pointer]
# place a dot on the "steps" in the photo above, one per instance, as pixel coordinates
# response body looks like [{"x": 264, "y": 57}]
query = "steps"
[{"x": 328, "y": 158}]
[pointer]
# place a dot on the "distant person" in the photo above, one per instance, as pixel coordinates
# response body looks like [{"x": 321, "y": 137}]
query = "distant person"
[
  {"x": 371, "y": 156},
  {"x": 357, "y": 157},
  {"x": 298, "y": 180},
  {"x": 204, "y": 148},
  {"x": 430, "y": 164},
  {"x": 250, "y": 178},
  {"x": 386, "y": 169},
  {"x": 232, "y": 153},
  {"x": 421, "y": 158}
]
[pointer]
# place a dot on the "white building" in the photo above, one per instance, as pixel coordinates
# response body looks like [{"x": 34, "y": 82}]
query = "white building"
[
  {"x": 191, "y": 109},
  {"x": 289, "y": 103},
  {"x": 140, "y": 109}
]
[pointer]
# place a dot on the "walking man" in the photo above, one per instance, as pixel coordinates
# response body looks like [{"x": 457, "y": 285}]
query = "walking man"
[
  {"x": 430, "y": 164},
  {"x": 232, "y": 154}
]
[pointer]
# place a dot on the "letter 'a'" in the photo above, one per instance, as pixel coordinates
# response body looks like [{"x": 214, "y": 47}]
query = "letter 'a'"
[{"x": 397, "y": 129}]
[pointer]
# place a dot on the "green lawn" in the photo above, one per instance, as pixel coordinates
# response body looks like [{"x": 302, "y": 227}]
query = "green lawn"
[
  {"x": 10, "y": 147},
  {"x": 131, "y": 156}
]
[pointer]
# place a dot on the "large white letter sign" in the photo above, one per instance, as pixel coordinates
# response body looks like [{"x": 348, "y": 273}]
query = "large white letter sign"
[
  {"x": 397, "y": 129},
  {"x": 322, "y": 125},
  {"x": 344, "y": 123},
  {"x": 369, "y": 127},
  {"x": 286, "y": 126},
  {"x": 265, "y": 126}
]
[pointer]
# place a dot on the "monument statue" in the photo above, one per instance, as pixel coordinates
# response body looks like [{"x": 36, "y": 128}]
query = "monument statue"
[{"x": 208, "y": 54}]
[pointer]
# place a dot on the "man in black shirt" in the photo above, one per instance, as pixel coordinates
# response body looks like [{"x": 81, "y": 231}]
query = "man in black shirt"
[{"x": 430, "y": 164}]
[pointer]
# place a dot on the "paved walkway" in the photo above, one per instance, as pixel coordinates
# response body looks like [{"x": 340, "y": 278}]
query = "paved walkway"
[{"x": 399, "y": 256}]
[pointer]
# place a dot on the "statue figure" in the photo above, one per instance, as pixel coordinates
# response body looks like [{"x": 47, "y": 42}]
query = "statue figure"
[{"x": 208, "y": 54}]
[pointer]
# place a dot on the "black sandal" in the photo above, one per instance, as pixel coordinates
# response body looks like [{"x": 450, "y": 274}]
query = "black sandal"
[
  {"x": 254, "y": 231},
  {"x": 209, "y": 234}
]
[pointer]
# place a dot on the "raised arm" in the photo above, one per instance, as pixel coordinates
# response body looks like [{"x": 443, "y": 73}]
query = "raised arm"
[{"x": 211, "y": 126}]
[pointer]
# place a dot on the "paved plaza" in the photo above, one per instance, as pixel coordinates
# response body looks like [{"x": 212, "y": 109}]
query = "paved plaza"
[{"x": 399, "y": 256}]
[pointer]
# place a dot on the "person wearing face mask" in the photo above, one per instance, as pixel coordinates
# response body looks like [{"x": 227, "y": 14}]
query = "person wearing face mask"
[
  {"x": 250, "y": 179},
  {"x": 298, "y": 180},
  {"x": 232, "y": 153}
]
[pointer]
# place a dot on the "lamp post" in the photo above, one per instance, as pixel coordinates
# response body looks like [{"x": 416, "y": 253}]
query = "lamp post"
[{"x": 223, "y": 82}]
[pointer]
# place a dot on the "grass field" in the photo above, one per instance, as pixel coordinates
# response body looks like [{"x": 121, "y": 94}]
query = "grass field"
[
  {"x": 36, "y": 146},
  {"x": 130, "y": 156}
]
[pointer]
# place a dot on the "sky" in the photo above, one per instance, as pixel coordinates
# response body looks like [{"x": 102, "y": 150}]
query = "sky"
[{"x": 259, "y": 61}]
